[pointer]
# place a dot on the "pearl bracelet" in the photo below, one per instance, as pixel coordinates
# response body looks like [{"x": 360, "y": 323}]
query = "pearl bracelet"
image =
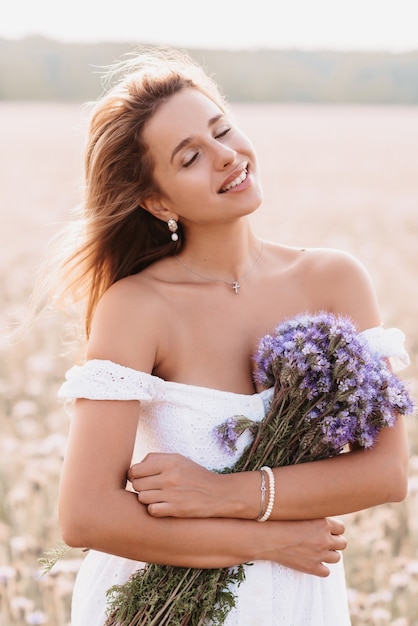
[
  {"x": 270, "y": 504},
  {"x": 263, "y": 495}
]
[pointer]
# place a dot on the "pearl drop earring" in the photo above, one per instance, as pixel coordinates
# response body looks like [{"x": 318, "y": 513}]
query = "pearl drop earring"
[{"x": 173, "y": 228}]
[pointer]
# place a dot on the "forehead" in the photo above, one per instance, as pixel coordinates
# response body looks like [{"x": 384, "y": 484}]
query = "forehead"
[{"x": 184, "y": 115}]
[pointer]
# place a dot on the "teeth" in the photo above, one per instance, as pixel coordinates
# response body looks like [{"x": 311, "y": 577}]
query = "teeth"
[{"x": 239, "y": 179}]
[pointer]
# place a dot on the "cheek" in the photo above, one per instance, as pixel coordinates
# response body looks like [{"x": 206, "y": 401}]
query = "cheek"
[
  {"x": 191, "y": 183},
  {"x": 176, "y": 194},
  {"x": 163, "y": 184},
  {"x": 184, "y": 187}
]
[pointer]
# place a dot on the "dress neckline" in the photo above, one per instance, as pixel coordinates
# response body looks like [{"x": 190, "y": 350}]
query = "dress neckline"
[
  {"x": 177, "y": 384},
  {"x": 372, "y": 335}
]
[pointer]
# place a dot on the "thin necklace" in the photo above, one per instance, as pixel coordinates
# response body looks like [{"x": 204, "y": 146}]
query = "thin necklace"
[{"x": 235, "y": 284}]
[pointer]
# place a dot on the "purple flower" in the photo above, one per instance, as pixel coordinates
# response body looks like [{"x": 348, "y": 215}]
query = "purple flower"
[
  {"x": 228, "y": 433},
  {"x": 329, "y": 391}
]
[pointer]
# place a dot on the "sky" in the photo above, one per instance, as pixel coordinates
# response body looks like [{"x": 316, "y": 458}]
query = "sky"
[{"x": 307, "y": 24}]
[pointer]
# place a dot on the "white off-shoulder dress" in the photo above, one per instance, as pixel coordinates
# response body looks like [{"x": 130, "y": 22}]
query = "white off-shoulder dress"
[{"x": 176, "y": 417}]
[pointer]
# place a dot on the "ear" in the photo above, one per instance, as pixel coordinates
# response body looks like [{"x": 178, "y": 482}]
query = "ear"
[{"x": 156, "y": 206}]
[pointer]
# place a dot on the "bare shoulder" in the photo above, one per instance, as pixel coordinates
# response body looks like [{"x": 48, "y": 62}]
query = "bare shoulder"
[
  {"x": 344, "y": 282},
  {"x": 334, "y": 264},
  {"x": 127, "y": 324},
  {"x": 336, "y": 281}
]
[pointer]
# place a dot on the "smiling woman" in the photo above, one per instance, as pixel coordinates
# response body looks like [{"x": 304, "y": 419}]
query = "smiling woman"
[
  {"x": 170, "y": 358},
  {"x": 211, "y": 166}
]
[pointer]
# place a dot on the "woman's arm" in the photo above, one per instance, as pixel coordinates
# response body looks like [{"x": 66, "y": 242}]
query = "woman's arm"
[
  {"x": 173, "y": 485},
  {"x": 96, "y": 510}
]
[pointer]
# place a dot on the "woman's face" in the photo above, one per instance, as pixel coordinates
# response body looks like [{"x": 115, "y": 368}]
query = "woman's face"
[{"x": 205, "y": 167}]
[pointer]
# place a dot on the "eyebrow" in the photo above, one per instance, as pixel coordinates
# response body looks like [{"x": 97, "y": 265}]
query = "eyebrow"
[{"x": 188, "y": 140}]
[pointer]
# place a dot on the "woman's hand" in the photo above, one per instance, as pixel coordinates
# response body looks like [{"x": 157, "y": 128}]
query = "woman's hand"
[
  {"x": 304, "y": 545},
  {"x": 171, "y": 485}
]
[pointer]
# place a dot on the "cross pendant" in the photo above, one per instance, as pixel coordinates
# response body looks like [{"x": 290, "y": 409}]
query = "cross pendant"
[{"x": 236, "y": 286}]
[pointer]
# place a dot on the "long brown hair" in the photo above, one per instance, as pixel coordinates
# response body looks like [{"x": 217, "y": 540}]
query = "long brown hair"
[{"x": 114, "y": 236}]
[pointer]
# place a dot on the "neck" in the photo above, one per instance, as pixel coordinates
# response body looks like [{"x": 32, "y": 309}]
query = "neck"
[{"x": 226, "y": 256}]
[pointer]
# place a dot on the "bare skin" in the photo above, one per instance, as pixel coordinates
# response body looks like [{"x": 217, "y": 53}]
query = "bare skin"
[{"x": 169, "y": 322}]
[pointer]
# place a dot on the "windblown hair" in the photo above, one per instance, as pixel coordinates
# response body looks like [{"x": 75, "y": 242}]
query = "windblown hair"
[{"x": 114, "y": 236}]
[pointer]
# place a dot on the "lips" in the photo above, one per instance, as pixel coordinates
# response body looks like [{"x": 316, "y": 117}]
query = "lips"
[{"x": 236, "y": 178}]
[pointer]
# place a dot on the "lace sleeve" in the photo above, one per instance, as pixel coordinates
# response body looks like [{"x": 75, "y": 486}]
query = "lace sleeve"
[
  {"x": 388, "y": 343},
  {"x": 105, "y": 380}
]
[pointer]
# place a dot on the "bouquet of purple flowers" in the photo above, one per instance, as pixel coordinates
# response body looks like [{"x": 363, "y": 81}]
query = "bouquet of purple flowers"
[{"x": 329, "y": 391}]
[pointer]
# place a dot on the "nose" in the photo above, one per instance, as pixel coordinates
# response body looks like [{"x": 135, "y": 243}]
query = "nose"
[{"x": 224, "y": 156}]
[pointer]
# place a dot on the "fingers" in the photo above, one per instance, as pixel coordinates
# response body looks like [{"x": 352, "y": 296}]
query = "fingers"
[
  {"x": 151, "y": 464},
  {"x": 311, "y": 546},
  {"x": 149, "y": 483},
  {"x": 171, "y": 485},
  {"x": 157, "y": 507},
  {"x": 147, "y": 475},
  {"x": 149, "y": 496},
  {"x": 339, "y": 542},
  {"x": 319, "y": 568},
  {"x": 332, "y": 556},
  {"x": 336, "y": 526},
  {"x": 162, "y": 509}
]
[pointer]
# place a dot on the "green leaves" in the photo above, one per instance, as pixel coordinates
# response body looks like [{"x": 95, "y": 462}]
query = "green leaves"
[
  {"x": 162, "y": 595},
  {"x": 52, "y": 556}
]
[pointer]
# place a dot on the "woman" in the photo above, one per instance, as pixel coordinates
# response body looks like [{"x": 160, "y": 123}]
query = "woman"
[{"x": 179, "y": 291}]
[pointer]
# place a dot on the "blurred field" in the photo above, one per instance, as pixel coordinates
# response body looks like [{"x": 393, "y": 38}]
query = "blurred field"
[{"x": 334, "y": 176}]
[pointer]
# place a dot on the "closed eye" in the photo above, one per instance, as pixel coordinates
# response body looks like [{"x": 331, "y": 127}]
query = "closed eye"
[
  {"x": 223, "y": 133},
  {"x": 219, "y": 135},
  {"x": 191, "y": 160}
]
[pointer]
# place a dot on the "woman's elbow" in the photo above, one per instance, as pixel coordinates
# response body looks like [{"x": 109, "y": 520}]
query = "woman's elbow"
[
  {"x": 78, "y": 518},
  {"x": 397, "y": 481},
  {"x": 74, "y": 527},
  {"x": 401, "y": 488},
  {"x": 392, "y": 454}
]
